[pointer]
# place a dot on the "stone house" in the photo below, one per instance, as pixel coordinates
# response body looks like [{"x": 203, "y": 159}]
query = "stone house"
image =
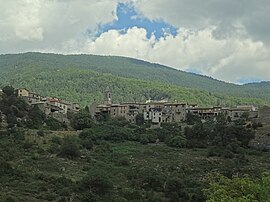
[
  {"x": 174, "y": 112},
  {"x": 247, "y": 107},
  {"x": 29, "y": 96},
  {"x": 153, "y": 112},
  {"x": 53, "y": 107},
  {"x": 64, "y": 106},
  {"x": 118, "y": 110},
  {"x": 205, "y": 112},
  {"x": 132, "y": 111},
  {"x": 22, "y": 92},
  {"x": 236, "y": 113}
]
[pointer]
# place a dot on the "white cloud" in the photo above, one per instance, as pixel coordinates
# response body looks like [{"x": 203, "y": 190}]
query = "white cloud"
[
  {"x": 134, "y": 43},
  {"x": 228, "y": 16},
  {"x": 27, "y": 25},
  {"x": 230, "y": 60}
]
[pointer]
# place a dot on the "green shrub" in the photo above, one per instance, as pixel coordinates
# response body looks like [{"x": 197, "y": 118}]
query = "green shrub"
[
  {"x": 96, "y": 182},
  {"x": 5, "y": 168},
  {"x": 54, "y": 124},
  {"x": 124, "y": 161},
  {"x": 56, "y": 140},
  {"x": 104, "y": 146},
  {"x": 177, "y": 141},
  {"x": 70, "y": 148},
  {"x": 87, "y": 144},
  {"x": 147, "y": 178},
  {"x": 144, "y": 139},
  {"x": 40, "y": 133},
  {"x": 175, "y": 190}
]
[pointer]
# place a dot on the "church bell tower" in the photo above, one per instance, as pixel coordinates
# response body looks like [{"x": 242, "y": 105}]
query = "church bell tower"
[{"x": 108, "y": 96}]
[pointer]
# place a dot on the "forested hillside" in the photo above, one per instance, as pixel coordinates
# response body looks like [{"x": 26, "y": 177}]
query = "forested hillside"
[
  {"x": 84, "y": 77},
  {"x": 42, "y": 159}
]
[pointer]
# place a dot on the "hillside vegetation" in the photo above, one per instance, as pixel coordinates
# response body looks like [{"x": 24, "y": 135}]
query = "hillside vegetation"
[
  {"x": 114, "y": 160},
  {"x": 83, "y": 78}
]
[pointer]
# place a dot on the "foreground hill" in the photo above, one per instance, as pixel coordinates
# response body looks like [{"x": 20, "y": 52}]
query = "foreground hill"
[
  {"x": 84, "y": 77},
  {"x": 56, "y": 167}
]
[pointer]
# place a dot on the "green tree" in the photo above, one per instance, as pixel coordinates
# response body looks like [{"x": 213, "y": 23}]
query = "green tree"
[
  {"x": 192, "y": 119},
  {"x": 36, "y": 117},
  {"x": 245, "y": 189},
  {"x": 81, "y": 120},
  {"x": 8, "y": 91},
  {"x": 139, "y": 119}
]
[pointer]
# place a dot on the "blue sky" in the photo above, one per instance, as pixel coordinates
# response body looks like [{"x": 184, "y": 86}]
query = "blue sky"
[{"x": 128, "y": 17}]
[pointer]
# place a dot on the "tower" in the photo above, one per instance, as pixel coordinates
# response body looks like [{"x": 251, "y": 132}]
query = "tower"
[{"x": 107, "y": 96}]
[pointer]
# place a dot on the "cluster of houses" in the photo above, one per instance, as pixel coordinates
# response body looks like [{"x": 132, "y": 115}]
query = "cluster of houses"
[
  {"x": 54, "y": 107},
  {"x": 158, "y": 112},
  {"x": 154, "y": 112}
]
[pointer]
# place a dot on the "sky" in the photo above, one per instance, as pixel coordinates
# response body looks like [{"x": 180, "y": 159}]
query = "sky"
[{"x": 225, "y": 39}]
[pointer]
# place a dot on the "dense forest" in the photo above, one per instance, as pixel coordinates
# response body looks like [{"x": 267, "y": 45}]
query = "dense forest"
[
  {"x": 114, "y": 160},
  {"x": 83, "y": 78}
]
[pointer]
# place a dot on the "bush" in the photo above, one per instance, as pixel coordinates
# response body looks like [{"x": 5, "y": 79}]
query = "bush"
[
  {"x": 177, "y": 141},
  {"x": 40, "y": 133},
  {"x": 147, "y": 178},
  {"x": 56, "y": 140},
  {"x": 54, "y": 124},
  {"x": 70, "y": 148},
  {"x": 88, "y": 144},
  {"x": 144, "y": 139},
  {"x": 104, "y": 146},
  {"x": 124, "y": 161},
  {"x": 17, "y": 133},
  {"x": 152, "y": 136},
  {"x": 175, "y": 190},
  {"x": 5, "y": 168},
  {"x": 96, "y": 182}
]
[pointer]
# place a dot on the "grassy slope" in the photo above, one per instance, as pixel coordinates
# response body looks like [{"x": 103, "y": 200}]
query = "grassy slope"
[{"x": 39, "y": 173}]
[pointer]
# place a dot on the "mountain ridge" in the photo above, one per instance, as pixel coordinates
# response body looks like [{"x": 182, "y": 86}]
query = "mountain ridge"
[{"x": 118, "y": 68}]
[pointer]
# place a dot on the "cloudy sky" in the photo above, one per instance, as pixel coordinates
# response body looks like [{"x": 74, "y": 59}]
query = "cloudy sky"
[{"x": 224, "y": 39}]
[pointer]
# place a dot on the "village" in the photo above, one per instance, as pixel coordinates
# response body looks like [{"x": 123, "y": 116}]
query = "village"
[{"x": 154, "y": 112}]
